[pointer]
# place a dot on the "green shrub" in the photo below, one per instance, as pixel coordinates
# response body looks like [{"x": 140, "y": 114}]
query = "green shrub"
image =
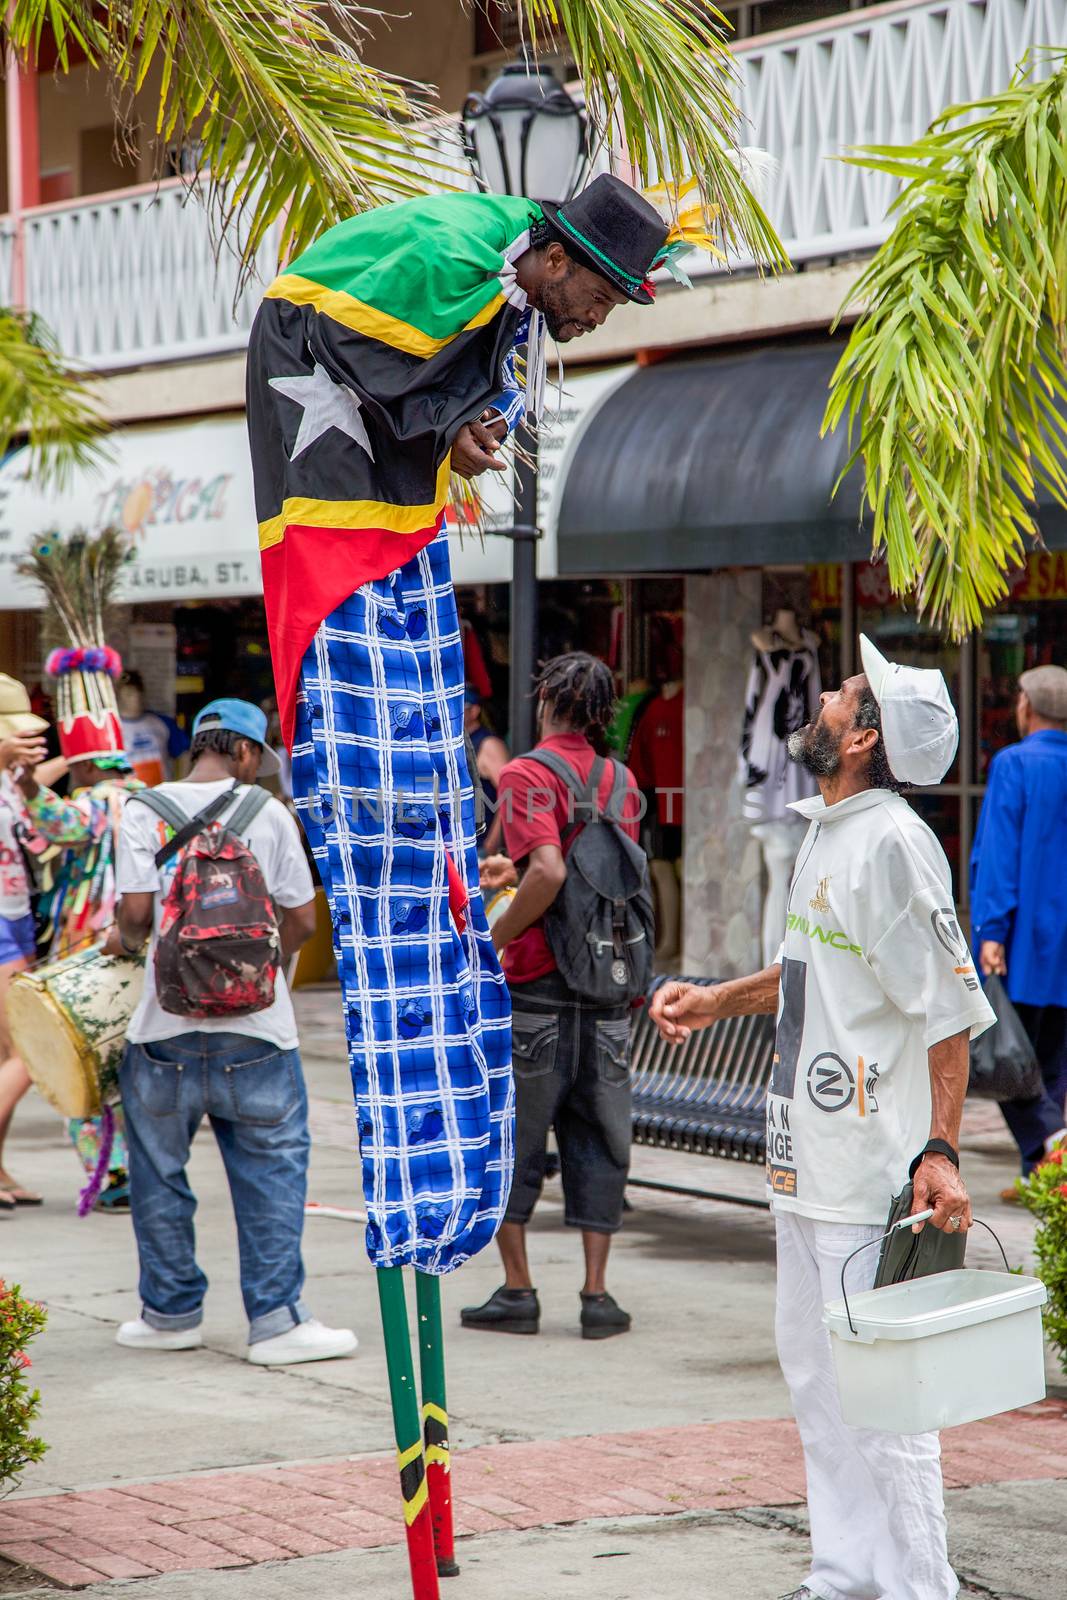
[
  {"x": 1044, "y": 1193},
  {"x": 20, "y": 1321}
]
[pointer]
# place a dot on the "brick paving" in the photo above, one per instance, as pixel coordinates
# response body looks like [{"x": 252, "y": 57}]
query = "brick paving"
[{"x": 241, "y": 1518}]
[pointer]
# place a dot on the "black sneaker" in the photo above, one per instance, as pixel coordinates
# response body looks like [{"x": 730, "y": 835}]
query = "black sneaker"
[
  {"x": 505, "y": 1311},
  {"x": 603, "y": 1317}
]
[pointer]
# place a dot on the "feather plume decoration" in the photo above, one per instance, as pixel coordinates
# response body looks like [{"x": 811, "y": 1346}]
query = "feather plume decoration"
[
  {"x": 79, "y": 573},
  {"x": 692, "y": 223}
]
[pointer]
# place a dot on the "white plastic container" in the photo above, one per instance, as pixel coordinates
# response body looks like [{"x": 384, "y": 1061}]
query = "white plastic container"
[{"x": 934, "y": 1352}]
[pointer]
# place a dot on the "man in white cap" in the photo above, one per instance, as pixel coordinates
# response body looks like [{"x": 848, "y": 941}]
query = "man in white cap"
[
  {"x": 1019, "y": 899},
  {"x": 877, "y": 999}
]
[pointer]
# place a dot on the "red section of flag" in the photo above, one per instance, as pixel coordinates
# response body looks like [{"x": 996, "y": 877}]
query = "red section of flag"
[
  {"x": 458, "y": 898},
  {"x": 306, "y": 576}
]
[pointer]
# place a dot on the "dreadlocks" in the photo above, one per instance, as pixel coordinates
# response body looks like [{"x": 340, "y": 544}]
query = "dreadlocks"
[
  {"x": 580, "y": 691},
  {"x": 879, "y": 772}
]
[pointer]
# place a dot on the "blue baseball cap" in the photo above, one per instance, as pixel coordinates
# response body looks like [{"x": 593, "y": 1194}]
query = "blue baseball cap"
[{"x": 240, "y": 716}]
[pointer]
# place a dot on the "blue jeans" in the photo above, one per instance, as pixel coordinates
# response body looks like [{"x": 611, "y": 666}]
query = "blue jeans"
[{"x": 254, "y": 1095}]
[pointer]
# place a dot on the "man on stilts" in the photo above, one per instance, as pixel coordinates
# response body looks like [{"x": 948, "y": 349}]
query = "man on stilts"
[{"x": 383, "y": 358}]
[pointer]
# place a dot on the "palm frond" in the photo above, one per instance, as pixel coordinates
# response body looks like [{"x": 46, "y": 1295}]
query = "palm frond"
[
  {"x": 42, "y": 399},
  {"x": 661, "y": 72},
  {"x": 954, "y": 380},
  {"x": 272, "y": 103}
]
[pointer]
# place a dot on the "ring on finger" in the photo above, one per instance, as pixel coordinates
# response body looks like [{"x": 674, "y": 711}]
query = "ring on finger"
[{"x": 955, "y": 1223}]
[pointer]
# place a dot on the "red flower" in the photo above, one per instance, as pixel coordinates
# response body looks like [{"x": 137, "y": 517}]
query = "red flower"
[
  {"x": 1062, "y": 1190},
  {"x": 23, "y": 1359},
  {"x": 1054, "y": 1158}
]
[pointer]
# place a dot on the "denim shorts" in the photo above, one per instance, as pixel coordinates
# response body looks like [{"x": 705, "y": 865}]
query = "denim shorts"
[
  {"x": 17, "y": 939},
  {"x": 572, "y": 1072}
]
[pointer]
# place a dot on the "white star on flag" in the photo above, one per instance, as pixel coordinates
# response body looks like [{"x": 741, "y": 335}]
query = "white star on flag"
[{"x": 326, "y": 405}]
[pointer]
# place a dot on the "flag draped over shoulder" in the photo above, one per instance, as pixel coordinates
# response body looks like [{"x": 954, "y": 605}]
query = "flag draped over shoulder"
[{"x": 367, "y": 356}]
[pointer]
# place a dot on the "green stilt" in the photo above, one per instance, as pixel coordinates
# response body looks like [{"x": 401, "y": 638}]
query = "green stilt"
[
  {"x": 435, "y": 1420},
  {"x": 410, "y": 1456}
]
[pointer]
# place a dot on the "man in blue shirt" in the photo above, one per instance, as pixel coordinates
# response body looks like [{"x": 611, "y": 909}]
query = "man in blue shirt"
[{"x": 1019, "y": 896}]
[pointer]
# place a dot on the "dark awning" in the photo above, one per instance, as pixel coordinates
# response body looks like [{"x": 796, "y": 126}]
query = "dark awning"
[{"x": 713, "y": 462}]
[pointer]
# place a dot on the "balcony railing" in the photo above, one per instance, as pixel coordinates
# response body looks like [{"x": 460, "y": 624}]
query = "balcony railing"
[
  {"x": 878, "y": 76},
  {"x": 132, "y": 277}
]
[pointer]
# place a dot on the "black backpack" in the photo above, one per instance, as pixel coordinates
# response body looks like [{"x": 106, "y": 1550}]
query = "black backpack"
[{"x": 601, "y": 926}]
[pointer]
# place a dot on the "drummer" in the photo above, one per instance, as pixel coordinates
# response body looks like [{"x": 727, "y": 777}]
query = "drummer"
[{"x": 81, "y": 906}]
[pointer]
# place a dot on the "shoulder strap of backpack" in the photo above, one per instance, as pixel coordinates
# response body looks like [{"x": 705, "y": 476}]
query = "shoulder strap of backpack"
[
  {"x": 249, "y": 808},
  {"x": 616, "y": 799},
  {"x": 186, "y": 828},
  {"x": 585, "y": 794}
]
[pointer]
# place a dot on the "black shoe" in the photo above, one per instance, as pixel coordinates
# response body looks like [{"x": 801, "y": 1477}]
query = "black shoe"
[
  {"x": 505, "y": 1311},
  {"x": 603, "y": 1317}
]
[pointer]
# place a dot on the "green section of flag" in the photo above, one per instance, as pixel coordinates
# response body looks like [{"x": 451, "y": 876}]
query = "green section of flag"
[{"x": 460, "y": 240}]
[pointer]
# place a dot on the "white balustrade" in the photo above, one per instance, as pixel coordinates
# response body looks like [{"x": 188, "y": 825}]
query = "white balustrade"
[
  {"x": 132, "y": 277},
  {"x": 871, "y": 77}
]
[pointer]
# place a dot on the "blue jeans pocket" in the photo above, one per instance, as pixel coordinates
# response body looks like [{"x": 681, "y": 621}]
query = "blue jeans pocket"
[
  {"x": 156, "y": 1082},
  {"x": 264, "y": 1091}
]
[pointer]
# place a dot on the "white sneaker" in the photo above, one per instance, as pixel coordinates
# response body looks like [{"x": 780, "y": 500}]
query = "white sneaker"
[
  {"x": 140, "y": 1335},
  {"x": 305, "y": 1341}
]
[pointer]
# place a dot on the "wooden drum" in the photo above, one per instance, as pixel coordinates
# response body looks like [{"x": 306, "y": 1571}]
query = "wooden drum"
[{"x": 68, "y": 1022}]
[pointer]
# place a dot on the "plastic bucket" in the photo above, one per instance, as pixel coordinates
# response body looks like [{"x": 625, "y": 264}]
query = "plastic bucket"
[{"x": 933, "y": 1352}]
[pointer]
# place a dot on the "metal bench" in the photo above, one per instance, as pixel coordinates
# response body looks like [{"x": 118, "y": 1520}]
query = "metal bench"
[{"x": 707, "y": 1096}]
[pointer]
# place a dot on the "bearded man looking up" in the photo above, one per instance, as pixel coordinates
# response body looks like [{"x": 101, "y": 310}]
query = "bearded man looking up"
[{"x": 877, "y": 999}]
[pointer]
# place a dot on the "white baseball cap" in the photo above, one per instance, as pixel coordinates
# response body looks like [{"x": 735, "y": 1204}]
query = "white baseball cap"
[{"x": 920, "y": 728}]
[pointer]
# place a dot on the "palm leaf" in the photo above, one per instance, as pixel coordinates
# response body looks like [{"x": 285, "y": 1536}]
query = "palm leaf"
[
  {"x": 282, "y": 116},
  {"x": 661, "y": 72},
  {"x": 42, "y": 400},
  {"x": 954, "y": 379}
]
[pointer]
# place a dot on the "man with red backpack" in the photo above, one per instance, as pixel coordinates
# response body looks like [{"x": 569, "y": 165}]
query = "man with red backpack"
[
  {"x": 576, "y": 945},
  {"x": 212, "y": 873}
]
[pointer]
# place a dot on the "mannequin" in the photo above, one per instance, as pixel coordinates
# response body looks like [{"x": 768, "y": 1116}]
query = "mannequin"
[
  {"x": 151, "y": 741},
  {"x": 785, "y": 631},
  {"x": 781, "y": 696}
]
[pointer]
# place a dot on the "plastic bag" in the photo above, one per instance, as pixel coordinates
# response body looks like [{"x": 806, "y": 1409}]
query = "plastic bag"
[{"x": 1003, "y": 1063}]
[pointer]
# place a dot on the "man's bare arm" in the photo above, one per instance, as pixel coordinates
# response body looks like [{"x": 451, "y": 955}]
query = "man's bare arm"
[
  {"x": 679, "y": 1008},
  {"x": 937, "y": 1182}
]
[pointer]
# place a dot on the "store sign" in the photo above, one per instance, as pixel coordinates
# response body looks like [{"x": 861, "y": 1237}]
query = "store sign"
[
  {"x": 1043, "y": 576},
  {"x": 182, "y": 494}
]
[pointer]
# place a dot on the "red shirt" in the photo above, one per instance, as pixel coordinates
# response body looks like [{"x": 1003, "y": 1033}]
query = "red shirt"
[
  {"x": 657, "y": 753},
  {"x": 537, "y": 808}
]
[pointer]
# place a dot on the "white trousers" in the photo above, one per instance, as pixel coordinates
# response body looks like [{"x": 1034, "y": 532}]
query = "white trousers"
[{"x": 876, "y": 1500}]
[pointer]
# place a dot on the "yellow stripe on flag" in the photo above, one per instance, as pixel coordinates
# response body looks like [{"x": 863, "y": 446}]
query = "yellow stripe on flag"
[
  {"x": 353, "y": 514},
  {"x": 368, "y": 320}
]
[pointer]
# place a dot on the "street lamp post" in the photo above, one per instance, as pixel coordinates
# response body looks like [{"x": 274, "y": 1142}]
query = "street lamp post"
[{"x": 525, "y": 136}]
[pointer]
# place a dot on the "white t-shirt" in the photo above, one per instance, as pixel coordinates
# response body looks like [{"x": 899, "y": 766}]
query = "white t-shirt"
[
  {"x": 875, "y": 970},
  {"x": 14, "y": 884},
  {"x": 274, "y": 840},
  {"x": 147, "y": 743}
]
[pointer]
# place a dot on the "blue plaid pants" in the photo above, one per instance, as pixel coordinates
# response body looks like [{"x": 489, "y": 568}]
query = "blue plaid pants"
[{"x": 382, "y": 788}]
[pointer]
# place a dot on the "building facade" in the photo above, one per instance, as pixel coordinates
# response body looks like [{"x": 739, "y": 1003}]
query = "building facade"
[{"x": 686, "y": 492}]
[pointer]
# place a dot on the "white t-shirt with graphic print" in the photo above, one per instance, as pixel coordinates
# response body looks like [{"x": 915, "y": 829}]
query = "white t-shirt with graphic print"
[
  {"x": 274, "y": 839},
  {"x": 875, "y": 970}
]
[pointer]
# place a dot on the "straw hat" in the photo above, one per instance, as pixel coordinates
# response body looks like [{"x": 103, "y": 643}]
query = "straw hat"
[{"x": 15, "y": 713}]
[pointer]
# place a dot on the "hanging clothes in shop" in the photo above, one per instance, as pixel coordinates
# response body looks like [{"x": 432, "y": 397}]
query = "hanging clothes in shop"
[
  {"x": 782, "y": 695},
  {"x": 657, "y": 753}
]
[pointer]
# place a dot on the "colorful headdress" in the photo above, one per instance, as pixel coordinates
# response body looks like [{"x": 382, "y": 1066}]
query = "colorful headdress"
[
  {"x": 79, "y": 574},
  {"x": 87, "y": 713},
  {"x": 692, "y": 223}
]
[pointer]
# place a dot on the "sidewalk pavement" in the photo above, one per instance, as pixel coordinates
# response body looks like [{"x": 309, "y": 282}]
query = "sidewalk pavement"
[{"x": 667, "y": 1453}]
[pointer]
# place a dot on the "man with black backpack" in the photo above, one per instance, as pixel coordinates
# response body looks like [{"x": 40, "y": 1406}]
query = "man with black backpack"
[
  {"x": 212, "y": 873},
  {"x": 576, "y": 946}
]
